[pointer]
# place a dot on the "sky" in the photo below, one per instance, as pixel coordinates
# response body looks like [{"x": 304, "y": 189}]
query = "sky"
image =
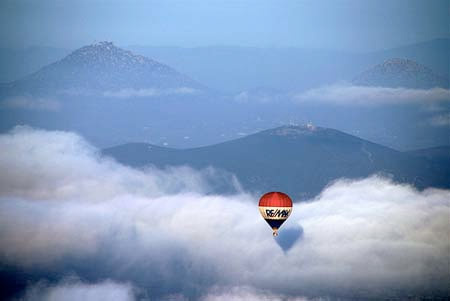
[{"x": 341, "y": 24}]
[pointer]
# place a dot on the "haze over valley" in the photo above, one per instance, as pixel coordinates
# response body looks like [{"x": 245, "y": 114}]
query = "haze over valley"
[{"x": 172, "y": 108}]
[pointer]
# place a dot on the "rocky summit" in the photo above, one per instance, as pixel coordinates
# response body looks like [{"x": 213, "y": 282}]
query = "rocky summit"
[{"x": 399, "y": 72}]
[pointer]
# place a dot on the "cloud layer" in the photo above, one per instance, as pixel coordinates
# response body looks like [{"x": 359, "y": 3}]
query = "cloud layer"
[
  {"x": 75, "y": 290},
  {"x": 60, "y": 165},
  {"x": 64, "y": 209},
  {"x": 346, "y": 94}
]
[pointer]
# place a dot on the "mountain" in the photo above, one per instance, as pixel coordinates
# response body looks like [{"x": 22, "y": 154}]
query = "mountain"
[
  {"x": 103, "y": 69},
  {"x": 112, "y": 96},
  {"x": 399, "y": 72},
  {"x": 237, "y": 69},
  {"x": 432, "y": 53},
  {"x": 300, "y": 160}
]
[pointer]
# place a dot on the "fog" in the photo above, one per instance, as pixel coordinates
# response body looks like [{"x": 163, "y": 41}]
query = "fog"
[
  {"x": 74, "y": 289},
  {"x": 347, "y": 94},
  {"x": 66, "y": 211}
]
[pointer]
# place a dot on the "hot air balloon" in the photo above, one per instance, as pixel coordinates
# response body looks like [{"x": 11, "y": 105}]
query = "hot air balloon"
[{"x": 275, "y": 207}]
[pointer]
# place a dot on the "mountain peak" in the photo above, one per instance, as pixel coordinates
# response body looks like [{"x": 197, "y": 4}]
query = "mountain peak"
[
  {"x": 295, "y": 130},
  {"x": 105, "y": 69},
  {"x": 102, "y": 44},
  {"x": 403, "y": 64},
  {"x": 108, "y": 54},
  {"x": 400, "y": 72}
]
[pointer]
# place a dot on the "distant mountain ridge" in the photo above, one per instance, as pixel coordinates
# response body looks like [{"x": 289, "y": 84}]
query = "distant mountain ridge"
[
  {"x": 98, "y": 68},
  {"x": 234, "y": 68},
  {"x": 300, "y": 160},
  {"x": 400, "y": 72}
]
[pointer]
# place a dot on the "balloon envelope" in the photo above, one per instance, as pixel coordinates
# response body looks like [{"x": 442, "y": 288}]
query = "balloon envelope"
[{"x": 275, "y": 207}]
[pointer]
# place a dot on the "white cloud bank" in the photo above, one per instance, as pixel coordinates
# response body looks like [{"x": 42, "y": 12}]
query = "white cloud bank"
[
  {"x": 244, "y": 293},
  {"x": 75, "y": 290},
  {"x": 61, "y": 165},
  {"x": 65, "y": 209},
  {"x": 347, "y": 94}
]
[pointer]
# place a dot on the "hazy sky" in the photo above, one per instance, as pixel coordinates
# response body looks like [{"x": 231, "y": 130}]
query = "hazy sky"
[{"x": 338, "y": 24}]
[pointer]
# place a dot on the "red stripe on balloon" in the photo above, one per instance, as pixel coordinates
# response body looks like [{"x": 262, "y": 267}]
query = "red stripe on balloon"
[{"x": 275, "y": 199}]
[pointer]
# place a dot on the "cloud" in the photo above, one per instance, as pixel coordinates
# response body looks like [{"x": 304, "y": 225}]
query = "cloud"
[
  {"x": 31, "y": 103},
  {"x": 346, "y": 94},
  {"x": 62, "y": 165},
  {"x": 151, "y": 92},
  {"x": 65, "y": 209},
  {"x": 243, "y": 293},
  {"x": 76, "y": 290}
]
